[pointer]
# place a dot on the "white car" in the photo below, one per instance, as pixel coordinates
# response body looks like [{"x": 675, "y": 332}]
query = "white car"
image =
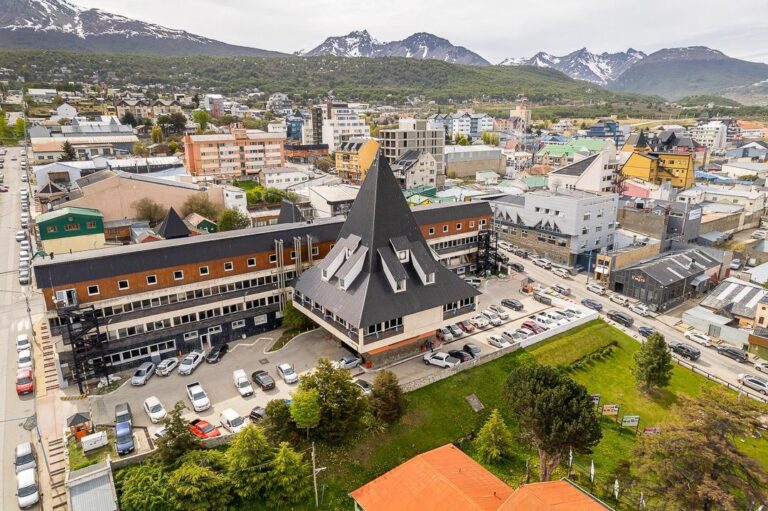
[
  {"x": 24, "y": 255},
  {"x": 190, "y": 362},
  {"x": 639, "y": 308},
  {"x": 166, "y": 366},
  {"x": 444, "y": 334},
  {"x": 561, "y": 272},
  {"x": 505, "y": 246},
  {"x": 347, "y": 362},
  {"x": 492, "y": 317},
  {"x": 24, "y": 245},
  {"x": 154, "y": 409},
  {"x": 27, "y": 492},
  {"x": 22, "y": 343},
  {"x": 761, "y": 367},
  {"x": 286, "y": 372},
  {"x": 232, "y": 421},
  {"x": 24, "y": 359},
  {"x": 198, "y": 397},
  {"x": 143, "y": 374},
  {"x": 558, "y": 317},
  {"x": 513, "y": 336},
  {"x": 21, "y": 235},
  {"x": 479, "y": 322},
  {"x": 497, "y": 341},
  {"x": 440, "y": 359},
  {"x": 500, "y": 311},
  {"x": 621, "y": 300},
  {"x": 544, "y": 263},
  {"x": 698, "y": 338},
  {"x": 242, "y": 384},
  {"x": 544, "y": 320},
  {"x": 757, "y": 383},
  {"x": 596, "y": 288},
  {"x": 23, "y": 277}
]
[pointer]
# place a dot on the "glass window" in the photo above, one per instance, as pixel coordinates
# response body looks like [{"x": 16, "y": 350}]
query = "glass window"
[
  {"x": 93, "y": 290},
  {"x": 151, "y": 280},
  {"x": 122, "y": 284},
  {"x": 178, "y": 275},
  {"x": 251, "y": 262},
  {"x": 203, "y": 270}
]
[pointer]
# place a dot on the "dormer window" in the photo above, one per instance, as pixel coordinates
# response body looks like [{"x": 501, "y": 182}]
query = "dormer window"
[
  {"x": 400, "y": 286},
  {"x": 430, "y": 278},
  {"x": 402, "y": 255}
]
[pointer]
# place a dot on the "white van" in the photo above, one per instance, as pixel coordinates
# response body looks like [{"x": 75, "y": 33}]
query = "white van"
[
  {"x": 596, "y": 288},
  {"x": 621, "y": 300},
  {"x": 473, "y": 281}
]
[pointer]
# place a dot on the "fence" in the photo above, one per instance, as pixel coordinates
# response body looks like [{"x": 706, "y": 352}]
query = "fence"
[{"x": 709, "y": 376}]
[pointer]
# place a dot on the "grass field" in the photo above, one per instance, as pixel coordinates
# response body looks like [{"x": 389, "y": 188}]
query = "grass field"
[{"x": 438, "y": 414}]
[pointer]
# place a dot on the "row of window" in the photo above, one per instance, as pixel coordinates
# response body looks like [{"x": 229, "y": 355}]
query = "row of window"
[
  {"x": 384, "y": 326},
  {"x": 138, "y": 353},
  {"x": 466, "y": 302},
  {"x": 454, "y": 243},
  {"x": 70, "y": 227},
  {"x": 459, "y": 226}
]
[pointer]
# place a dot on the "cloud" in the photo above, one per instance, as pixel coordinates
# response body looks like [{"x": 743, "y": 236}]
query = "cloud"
[{"x": 495, "y": 29}]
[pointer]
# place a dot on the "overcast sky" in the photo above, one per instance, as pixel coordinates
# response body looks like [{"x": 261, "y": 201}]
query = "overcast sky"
[{"x": 495, "y": 29}]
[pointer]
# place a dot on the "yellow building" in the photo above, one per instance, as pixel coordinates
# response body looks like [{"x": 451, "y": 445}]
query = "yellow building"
[
  {"x": 354, "y": 158},
  {"x": 657, "y": 168}
]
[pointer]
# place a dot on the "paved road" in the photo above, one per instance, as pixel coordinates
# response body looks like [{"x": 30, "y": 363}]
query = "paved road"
[{"x": 14, "y": 320}]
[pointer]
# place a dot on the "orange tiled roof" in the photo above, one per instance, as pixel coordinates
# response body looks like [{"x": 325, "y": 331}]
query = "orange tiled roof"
[
  {"x": 551, "y": 496},
  {"x": 441, "y": 479}
]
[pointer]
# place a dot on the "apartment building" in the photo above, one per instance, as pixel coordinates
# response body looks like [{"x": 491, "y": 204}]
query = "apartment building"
[
  {"x": 596, "y": 173},
  {"x": 565, "y": 226},
  {"x": 415, "y": 134},
  {"x": 146, "y": 109},
  {"x": 660, "y": 167},
  {"x": 610, "y": 129},
  {"x": 126, "y": 305},
  {"x": 464, "y": 161},
  {"x": 279, "y": 103},
  {"x": 467, "y": 124},
  {"x": 333, "y": 123},
  {"x": 713, "y": 135},
  {"x": 379, "y": 290},
  {"x": 354, "y": 157},
  {"x": 241, "y": 153}
]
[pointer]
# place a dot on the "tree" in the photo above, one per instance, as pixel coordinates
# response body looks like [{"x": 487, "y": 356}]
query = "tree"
[
  {"x": 156, "y": 134},
  {"x": 178, "y": 439},
  {"x": 173, "y": 147},
  {"x": 129, "y": 119},
  {"x": 653, "y": 363},
  {"x": 200, "y": 483},
  {"x": 386, "y": 396},
  {"x": 202, "y": 118},
  {"x": 324, "y": 163},
  {"x": 289, "y": 479},
  {"x": 305, "y": 409},
  {"x": 554, "y": 411},
  {"x": 294, "y": 319},
  {"x": 201, "y": 204},
  {"x": 142, "y": 487},
  {"x": 494, "y": 441},
  {"x": 139, "y": 149},
  {"x": 339, "y": 398},
  {"x": 178, "y": 122},
  {"x": 248, "y": 459},
  {"x": 19, "y": 128},
  {"x": 232, "y": 219},
  {"x": 147, "y": 209},
  {"x": 68, "y": 151},
  {"x": 697, "y": 461},
  {"x": 278, "y": 423}
]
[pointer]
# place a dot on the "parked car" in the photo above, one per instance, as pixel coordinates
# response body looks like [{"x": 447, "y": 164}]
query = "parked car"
[
  {"x": 21, "y": 235},
  {"x": 563, "y": 290},
  {"x": 142, "y": 375},
  {"x": 197, "y": 396},
  {"x": 517, "y": 267},
  {"x": 505, "y": 246},
  {"x": 645, "y": 331},
  {"x": 685, "y": 350},
  {"x": 190, "y": 363},
  {"x": 561, "y": 272},
  {"x": 231, "y": 421},
  {"x": 543, "y": 319},
  {"x": 592, "y": 304},
  {"x": 492, "y": 317},
  {"x": 27, "y": 491},
  {"x": 365, "y": 387},
  {"x": 444, "y": 334},
  {"x": 467, "y": 326},
  {"x": 24, "y": 359},
  {"x": 440, "y": 359},
  {"x": 757, "y": 383},
  {"x": 621, "y": 300},
  {"x": 348, "y": 362},
  {"x": 124, "y": 438},
  {"x": 154, "y": 409},
  {"x": 460, "y": 355},
  {"x": 286, "y": 372},
  {"x": 498, "y": 341},
  {"x": 24, "y": 277},
  {"x": 515, "y": 305},
  {"x": 542, "y": 262},
  {"x": 734, "y": 353},
  {"x": 217, "y": 353},
  {"x": 123, "y": 413},
  {"x": 472, "y": 349},
  {"x": 534, "y": 326},
  {"x": 242, "y": 384},
  {"x": 596, "y": 288},
  {"x": 257, "y": 413},
  {"x": 24, "y": 457},
  {"x": 759, "y": 235},
  {"x": 698, "y": 338},
  {"x": 500, "y": 311},
  {"x": 456, "y": 331},
  {"x": 263, "y": 380},
  {"x": 25, "y": 382},
  {"x": 639, "y": 308},
  {"x": 22, "y": 343},
  {"x": 201, "y": 428},
  {"x": 558, "y": 317},
  {"x": 621, "y": 318},
  {"x": 761, "y": 367},
  {"x": 24, "y": 245},
  {"x": 473, "y": 281},
  {"x": 480, "y": 322},
  {"x": 166, "y": 367},
  {"x": 735, "y": 264}
]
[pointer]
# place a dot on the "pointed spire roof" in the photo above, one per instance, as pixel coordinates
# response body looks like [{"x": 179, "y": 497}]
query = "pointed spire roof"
[
  {"x": 289, "y": 213},
  {"x": 642, "y": 140},
  {"x": 173, "y": 226}
]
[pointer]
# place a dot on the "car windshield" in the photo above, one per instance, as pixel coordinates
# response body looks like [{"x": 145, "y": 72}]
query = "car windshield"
[
  {"x": 288, "y": 371},
  {"x": 24, "y": 380},
  {"x": 139, "y": 373},
  {"x": 28, "y": 490},
  {"x": 25, "y": 458},
  {"x": 198, "y": 395},
  {"x": 155, "y": 408},
  {"x": 24, "y": 360},
  {"x": 237, "y": 421},
  {"x": 186, "y": 362},
  {"x": 207, "y": 428},
  {"x": 242, "y": 383}
]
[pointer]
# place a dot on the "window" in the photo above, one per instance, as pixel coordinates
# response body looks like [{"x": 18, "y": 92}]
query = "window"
[
  {"x": 51, "y": 228},
  {"x": 315, "y": 251},
  {"x": 90, "y": 225},
  {"x": 458, "y": 226},
  {"x": 190, "y": 335},
  {"x": 93, "y": 290},
  {"x": 151, "y": 280},
  {"x": 122, "y": 285},
  {"x": 587, "y": 215},
  {"x": 240, "y": 323},
  {"x": 214, "y": 329},
  {"x": 72, "y": 227},
  {"x": 251, "y": 262},
  {"x": 272, "y": 258},
  {"x": 431, "y": 231},
  {"x": 203, "y": 270},
  {"x": 445, "y": 228},
  {"x": 471, "y": 224},
  {"x": 228, "y": 266},
  {"x": 293, "y": 255},
  {"x": 482, "y": 223},
  {"x": 178, "y": 275}
]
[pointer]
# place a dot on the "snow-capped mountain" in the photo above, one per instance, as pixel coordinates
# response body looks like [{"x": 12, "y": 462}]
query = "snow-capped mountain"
[
  {"x": 419, "y": 46},
  {"x": 61, "y": 25},
  {"x": 582, "y": 64}
]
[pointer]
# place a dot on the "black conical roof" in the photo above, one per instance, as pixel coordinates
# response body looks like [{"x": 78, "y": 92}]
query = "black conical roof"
[
  {"x": 289, "y": 213},
  {"x": 173, "y": 226}
]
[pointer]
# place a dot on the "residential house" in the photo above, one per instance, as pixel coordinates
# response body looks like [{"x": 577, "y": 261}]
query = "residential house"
[
  {"x": 415, "y": 168},
  {"x": 354, "y": 157},
  {"x": 414, "y": 134},
  {"x": 283, "y": 178},
  {"x": 201, "y": 223},
  {"x": 660, "y": 167},
  {"x": 596, "y": 173},
  {"x": 745, "y": 205},
  {"x": 70, "y": 229},
  {"x": 562, "y": 154},
  {"x": 610, "y": 129}
]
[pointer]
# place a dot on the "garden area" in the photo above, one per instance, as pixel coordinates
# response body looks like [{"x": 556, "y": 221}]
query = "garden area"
[{"x": 79, "y": 459}]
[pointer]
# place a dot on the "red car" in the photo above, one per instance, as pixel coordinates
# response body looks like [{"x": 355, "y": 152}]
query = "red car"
[
  {"x": 25, "y": 383},
  {"x": 467, "y": 326},
  {"x": 203, "y": 429},
  {"x": 530, "y": 325}
]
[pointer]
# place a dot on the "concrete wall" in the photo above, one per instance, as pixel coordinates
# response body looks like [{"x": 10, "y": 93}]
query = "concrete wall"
[
  {"x": 729, "y": 334},
  {"x": 467, "y": 168},
  {"x": 638, "y": 220},
  {"x": 725, "y": 223}
]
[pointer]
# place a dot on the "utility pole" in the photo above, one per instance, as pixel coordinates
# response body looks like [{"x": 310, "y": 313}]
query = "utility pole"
[{"x": 315, "y": 471}]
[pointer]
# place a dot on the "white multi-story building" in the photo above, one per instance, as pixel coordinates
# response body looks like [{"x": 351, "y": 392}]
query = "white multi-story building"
[
  {"x": 713, "y": 135},
  {"x": 595, "y": 173},
  {"x": 279, "y": 103},
  {"x": 284, "y": 177},
  {"x": 341, "y": 123}
]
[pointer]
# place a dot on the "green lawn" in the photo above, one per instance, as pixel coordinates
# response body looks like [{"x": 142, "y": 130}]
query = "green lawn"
[
  {"x": 439, "y": 414},
  {"x": 79, "y": 459}
]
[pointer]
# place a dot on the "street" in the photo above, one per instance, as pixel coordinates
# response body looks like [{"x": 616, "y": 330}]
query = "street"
[{"x": 14, "y": 320}]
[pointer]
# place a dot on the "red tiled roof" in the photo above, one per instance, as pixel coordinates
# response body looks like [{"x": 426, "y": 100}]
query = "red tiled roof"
[{"x": 551, "y": 496}]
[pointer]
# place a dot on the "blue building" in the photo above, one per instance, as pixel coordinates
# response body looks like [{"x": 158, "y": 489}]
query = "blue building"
[
  {"x": 294, "y": 125},
  {"x": 607, "y": 128}
]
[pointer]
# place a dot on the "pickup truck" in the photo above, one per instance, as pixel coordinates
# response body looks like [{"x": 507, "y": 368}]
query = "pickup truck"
[
  {"x": 243, "y": 386},
  {"x": 198, "y": 397},
  {"x": 201, "y": 428}
]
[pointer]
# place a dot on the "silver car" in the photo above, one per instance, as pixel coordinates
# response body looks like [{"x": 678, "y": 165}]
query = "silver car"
[
  {"x": 757, "y": 383},
  {"x": 166, "y": 367},
  {"x": 143, "y": 374},
  {"x": 24, "y": 457}
]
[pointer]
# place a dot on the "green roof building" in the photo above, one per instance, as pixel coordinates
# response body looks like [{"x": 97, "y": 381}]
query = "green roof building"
[{"x": 71, "y": 230}]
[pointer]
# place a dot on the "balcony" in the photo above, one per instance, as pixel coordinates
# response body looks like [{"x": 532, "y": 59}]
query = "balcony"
[{"x": 350, "y": 332}]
